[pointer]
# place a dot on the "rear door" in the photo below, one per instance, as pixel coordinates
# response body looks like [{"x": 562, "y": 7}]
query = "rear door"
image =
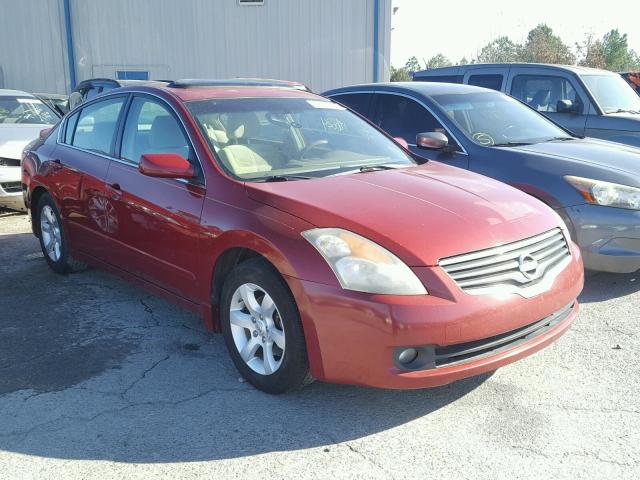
[
  {"x": 542, "y": 91},
  {"x": 80, "y": 166},
  {"x": 402, "y": 116},
  {"x": 159, "y": 218}
]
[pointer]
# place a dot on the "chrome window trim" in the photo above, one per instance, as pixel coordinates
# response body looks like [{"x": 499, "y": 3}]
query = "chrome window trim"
[
  {"x": 420, "y": 102},
  {"x": 105, "y": 96}
]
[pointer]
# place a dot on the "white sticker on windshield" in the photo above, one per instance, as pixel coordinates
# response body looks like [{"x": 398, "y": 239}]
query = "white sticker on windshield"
[
  {"x": 325, "y": 104},
  {"x": 28, "y": 100}
]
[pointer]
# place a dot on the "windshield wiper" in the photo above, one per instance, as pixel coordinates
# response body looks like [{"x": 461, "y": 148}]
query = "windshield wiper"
[
  {"x": 283, "y": 178},
  {"x": 560, "y": 139},
  {"x": 373, "y": 168},
  {"x": 510, "y": 144},
  {"x": 624, "y": 110}
]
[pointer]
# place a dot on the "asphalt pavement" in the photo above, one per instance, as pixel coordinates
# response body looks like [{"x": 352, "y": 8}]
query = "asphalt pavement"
[{"x": 99, "y": 379}]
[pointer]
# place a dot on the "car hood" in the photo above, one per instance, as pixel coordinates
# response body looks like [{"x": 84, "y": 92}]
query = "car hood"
[
  {"x": 600, "y": 153},
  {"x": 14, "y": 137},
  {"x": 420, "y": 213}
]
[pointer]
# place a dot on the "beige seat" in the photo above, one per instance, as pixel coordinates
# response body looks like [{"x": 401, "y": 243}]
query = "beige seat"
[{"x": 238, "y": 157}]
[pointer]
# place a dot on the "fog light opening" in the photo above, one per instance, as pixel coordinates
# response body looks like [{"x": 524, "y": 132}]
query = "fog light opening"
[{"x": 407, "y": 356}]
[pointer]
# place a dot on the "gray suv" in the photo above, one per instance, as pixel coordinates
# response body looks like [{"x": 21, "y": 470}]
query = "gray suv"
[{"x": 588, "y": 101}]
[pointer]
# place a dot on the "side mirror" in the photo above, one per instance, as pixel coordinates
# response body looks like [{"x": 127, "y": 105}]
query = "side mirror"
[
  {"x": 432, "y": 140},
  {"x": 567, "y": 106},
  {"x": 402, "y": 142},
  {"x": 165, "y": 165},
  {"x": 44, "y": 133}
]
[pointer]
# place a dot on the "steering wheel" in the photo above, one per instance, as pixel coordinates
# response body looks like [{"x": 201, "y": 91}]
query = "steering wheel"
[{"x": 312, "y": 146}]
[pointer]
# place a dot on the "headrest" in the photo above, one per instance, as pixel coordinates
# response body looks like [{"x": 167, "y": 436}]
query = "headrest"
[{"x": 165, "y": 133}]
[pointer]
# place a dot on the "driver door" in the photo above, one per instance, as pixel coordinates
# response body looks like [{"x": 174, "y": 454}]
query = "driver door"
[
  {"x": 404, "y": 117},
  {"x": 542, "y": 92},
  {"x": 158, "y": 219}
]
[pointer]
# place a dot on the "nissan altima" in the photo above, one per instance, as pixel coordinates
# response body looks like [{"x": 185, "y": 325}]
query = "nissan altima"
[{"x": 310, "y": 239}]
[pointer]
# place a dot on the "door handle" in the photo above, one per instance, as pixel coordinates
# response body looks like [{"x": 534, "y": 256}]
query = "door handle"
[{"x": 115, "y": 186}]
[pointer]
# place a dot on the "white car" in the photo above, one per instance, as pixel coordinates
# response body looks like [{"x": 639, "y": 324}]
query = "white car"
[{"x": 22, "y": 117}]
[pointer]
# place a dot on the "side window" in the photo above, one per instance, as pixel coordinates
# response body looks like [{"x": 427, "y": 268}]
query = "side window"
[
  {"x": 71, "y": 126},
  {"x": 543, "y": 92},
  {"x": 96, "y": 126},
  {"x": 487, "y": 81},
  {"x": 358, "y": 102},
  {"x": 151, "y": 128},
  {"x": 403, "y": 117}
]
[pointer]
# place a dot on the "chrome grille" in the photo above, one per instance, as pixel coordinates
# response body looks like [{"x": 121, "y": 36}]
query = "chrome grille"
[
  {"x": 11, "y": 187},
  {"x": 527, "y": 267}
]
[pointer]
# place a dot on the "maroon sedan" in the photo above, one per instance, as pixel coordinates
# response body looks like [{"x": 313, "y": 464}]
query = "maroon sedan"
[{"x": 309, "y": 238}]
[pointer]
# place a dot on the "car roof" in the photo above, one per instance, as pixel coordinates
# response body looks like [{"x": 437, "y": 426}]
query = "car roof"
[
  {"x": 460, "y": 69},
  {"x": 235, "y": 91},
  {"x": 423, "y": 88},
  {"x": 14, "y": 93}
]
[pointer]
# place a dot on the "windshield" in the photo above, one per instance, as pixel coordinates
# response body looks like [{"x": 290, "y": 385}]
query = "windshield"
[
  {"x": 494, "y": 119},
  {"x": 26, "y": 110},
  {"x": 262, "y": 138},
  {"x": 612, "y": 93}
]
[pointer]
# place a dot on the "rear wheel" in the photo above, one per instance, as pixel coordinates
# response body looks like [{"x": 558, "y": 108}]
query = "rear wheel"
[
  {"x": 262, "y": 328},
  {"x": 53, "y": 239}
]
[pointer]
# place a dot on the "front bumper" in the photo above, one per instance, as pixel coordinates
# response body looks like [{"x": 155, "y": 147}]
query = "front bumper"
[
  {"x": 11, "y": 188},
  {"x": 353, "y": 338},
  {"x": 608, "y": 237}
]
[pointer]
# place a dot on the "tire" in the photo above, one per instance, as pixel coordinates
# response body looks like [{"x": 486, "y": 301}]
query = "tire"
[
  {"x": 53, "y": 238},
  {"x": 261, "y": 331}
]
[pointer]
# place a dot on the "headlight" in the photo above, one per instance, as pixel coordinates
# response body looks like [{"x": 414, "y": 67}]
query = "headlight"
[
  {"x": 362, "y": 265},
  {"x": 606, "y": 193}
]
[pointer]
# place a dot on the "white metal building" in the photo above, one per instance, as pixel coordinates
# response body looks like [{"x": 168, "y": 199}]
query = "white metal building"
[{"x": 50, "y": 45}]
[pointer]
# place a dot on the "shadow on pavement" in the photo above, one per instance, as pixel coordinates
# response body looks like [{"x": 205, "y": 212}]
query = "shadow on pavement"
[
  {"x": 93, "y": 368},
  {"x": 602, "y": 286}
]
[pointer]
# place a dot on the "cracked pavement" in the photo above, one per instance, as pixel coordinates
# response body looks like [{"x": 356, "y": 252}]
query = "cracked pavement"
[{"x": 99, "y": 379}]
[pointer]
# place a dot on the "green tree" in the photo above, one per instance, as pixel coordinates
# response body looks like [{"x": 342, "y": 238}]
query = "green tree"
[
  {"x": 615, "y": 49},
  {"x": 592, "y": 52},
  {"x": 438, "y": 60},
  {"x": 399, "y": 74},
  {"x": 542, "y": 46},
  {"x": 412, "y": 65},
  {"x": 500, "y": 50}
]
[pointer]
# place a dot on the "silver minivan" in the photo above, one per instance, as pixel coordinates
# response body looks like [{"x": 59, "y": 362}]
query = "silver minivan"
[{"x": 588, "y": 101}]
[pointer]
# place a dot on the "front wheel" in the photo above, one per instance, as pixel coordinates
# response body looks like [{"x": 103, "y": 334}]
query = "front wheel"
[
  {"x": 262, "y": 328},
  {"x": 53, "y": 238}
]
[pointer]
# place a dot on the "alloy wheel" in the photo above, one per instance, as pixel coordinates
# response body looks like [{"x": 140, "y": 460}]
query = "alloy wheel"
[
  {"x": 257, "y": 329},
  {"x": 51, "y": 234}
]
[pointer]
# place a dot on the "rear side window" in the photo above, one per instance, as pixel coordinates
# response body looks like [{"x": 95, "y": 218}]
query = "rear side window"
[
  {"x": 96, "y": 126},
  {"x": 358, "y": 102},
  {"x": 493, "y": 82},
  {"x": 403, "y": 117},
  {"x": 543, "y": 92}
]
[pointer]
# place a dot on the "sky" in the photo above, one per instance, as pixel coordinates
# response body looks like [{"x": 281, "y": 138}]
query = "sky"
[{"x": 461, "y": 28}]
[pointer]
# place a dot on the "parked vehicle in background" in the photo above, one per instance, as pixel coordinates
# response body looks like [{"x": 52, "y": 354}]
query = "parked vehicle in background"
[
  {"x": 92, "y": 87},
  {"x": 633, "y": 79},
  {"x": 22, "y": 117},
  {"x": 274, "y": 213},
  {"x": 59, "y": 103},
  {"x": 593, "y": 184},
  {"x": 588, "y": 101},
  {"x": 88, "y": 89}
]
